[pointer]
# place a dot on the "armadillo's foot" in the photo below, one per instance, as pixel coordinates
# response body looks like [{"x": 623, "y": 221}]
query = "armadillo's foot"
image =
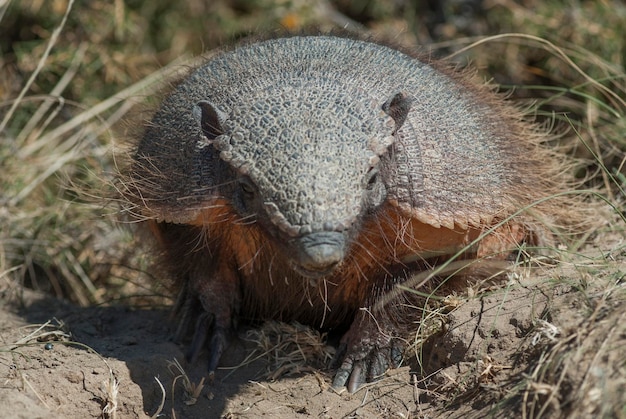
[
  {"x": 214, "y": 336},
  {"x": 366, "y": 352},
  {"x": 211, "y": 327}
]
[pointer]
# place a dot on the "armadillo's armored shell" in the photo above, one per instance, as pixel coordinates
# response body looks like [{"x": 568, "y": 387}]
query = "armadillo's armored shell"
[{"x": 453, "y": 161}]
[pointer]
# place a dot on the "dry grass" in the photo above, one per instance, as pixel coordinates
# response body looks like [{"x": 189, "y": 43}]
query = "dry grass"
[{"x": 291, "y": 349}]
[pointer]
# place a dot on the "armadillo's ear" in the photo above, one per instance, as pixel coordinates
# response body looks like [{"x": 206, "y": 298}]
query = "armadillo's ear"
[
  {"x": 398, "y": 107},
  {"x": 211, "y": 119}
]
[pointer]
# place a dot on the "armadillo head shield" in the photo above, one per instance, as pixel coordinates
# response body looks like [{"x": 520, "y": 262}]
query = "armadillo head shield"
[{"x": 310, "y": 152}]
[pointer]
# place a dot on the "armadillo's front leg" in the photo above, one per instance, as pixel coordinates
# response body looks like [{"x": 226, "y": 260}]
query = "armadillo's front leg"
[
  {"x": 214, "y": 301},
  {"x": 367, "y": 351}
]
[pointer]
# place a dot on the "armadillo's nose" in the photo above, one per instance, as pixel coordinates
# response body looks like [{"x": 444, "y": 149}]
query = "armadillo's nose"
[{"x": 319, "y": 253}]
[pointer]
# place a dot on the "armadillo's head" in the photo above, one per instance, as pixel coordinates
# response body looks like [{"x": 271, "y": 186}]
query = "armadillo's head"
[{"x": 307, "y": 164}]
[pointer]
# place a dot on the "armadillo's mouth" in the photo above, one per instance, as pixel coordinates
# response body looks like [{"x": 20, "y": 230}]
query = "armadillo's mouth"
[
  {"x": 314, "y": 274},
  {"x": 318, "y": 254}
]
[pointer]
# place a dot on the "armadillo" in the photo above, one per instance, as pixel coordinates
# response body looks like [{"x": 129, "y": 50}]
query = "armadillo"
[{"x": 303, "y": 178}]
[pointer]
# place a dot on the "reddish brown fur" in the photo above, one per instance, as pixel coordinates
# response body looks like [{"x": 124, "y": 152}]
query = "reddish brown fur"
[{"x": 217, "y": 251}]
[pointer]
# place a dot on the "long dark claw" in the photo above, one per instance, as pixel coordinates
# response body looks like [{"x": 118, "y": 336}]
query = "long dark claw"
[
  {"x": 357, "y": 378},
  {"x": 201, "y": 332},
  {"x": 214, "y": 336},
  {"x": 217, "y": 344}
]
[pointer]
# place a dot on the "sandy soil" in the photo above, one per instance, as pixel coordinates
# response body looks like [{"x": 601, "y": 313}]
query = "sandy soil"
[{"x": 551, "y": 343}]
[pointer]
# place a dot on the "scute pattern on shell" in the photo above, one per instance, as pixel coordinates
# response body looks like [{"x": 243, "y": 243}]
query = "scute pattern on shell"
[
  {"x": 309, "y": 108},
  {"x": 289, "y": 140}
]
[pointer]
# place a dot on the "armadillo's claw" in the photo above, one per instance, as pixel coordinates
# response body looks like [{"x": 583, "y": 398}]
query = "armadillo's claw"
[
  {"x": 366, "y": 353},
  {"x": 217, "y": 344},
  {"x": 207, "y": 332},
  {"x": 201, "y": 331}
]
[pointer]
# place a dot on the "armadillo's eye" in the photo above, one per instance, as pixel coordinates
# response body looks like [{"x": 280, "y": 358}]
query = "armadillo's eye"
[
  {"x": 371, "y": 178},
  {"x": 246, "y": 186}
]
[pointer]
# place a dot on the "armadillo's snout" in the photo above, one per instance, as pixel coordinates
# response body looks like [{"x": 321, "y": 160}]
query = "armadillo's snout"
[{"x": 319, "y": 253}]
